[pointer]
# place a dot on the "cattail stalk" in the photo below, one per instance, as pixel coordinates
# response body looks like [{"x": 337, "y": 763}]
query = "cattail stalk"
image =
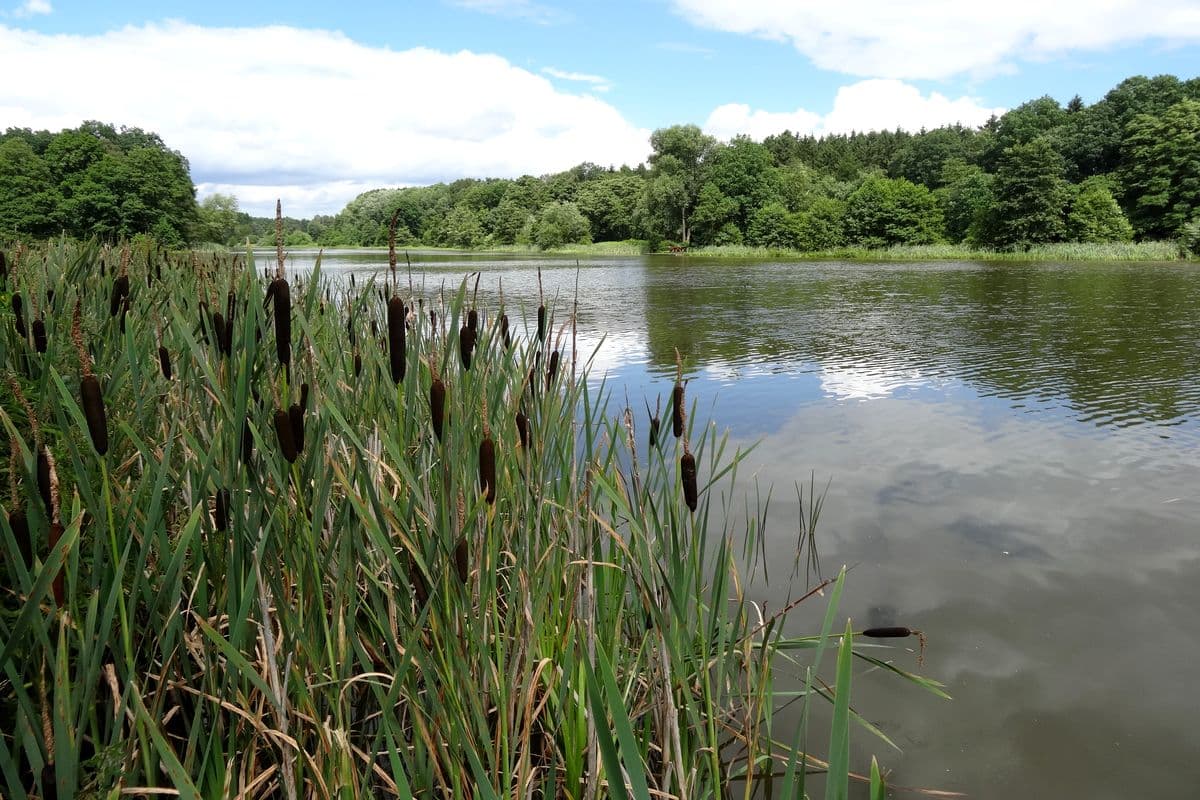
[
  {"x": 89, "y": 389},
  {"x": 283, "y": 432},
  {"x": 396, "y": 342},
  {"x": 437, "y": 405}
]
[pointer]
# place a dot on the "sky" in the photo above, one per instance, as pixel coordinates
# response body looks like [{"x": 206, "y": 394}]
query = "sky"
[{"x": 314, "y": 102}]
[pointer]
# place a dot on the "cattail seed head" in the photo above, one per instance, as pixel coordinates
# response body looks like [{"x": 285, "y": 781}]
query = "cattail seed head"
[
  {"x": 687, "y": 473},
  {"x": 466, "y": 345},
  {"x": 487, "y": 469},
  {"x": 18, "y": 317},
  {"x": 473, "y": 320},
  {"x": 541, "y": 322},
  {"x": 461, "y": 560},
  {"x": 678, "y": 412},
  {"x": 552, "y": 369},
  {"x": 281, "y": 295},
  {"x": 93, "y": 412},
  {"x": 396, "y": 343},
  {"x": 45, "y": 491},
  {"x": 524, "y": 432},
  {"x": 221, "y": 510},
  {"x": 357, "y": 365},
  {"x": 120, "y": 291},
  {"x": 304, "y": 396},
  {"x": 19, "y": 525},
  {"x": 39, "y": 335},
  {"x": 164, "y": 362},
  {"x": 504, "y": 332},
  {"x": 283, "y": 433},
  {"x": 296, "y": 418},
  {"x": 218, "y": 324},
  {"x": 247, "y": 444},
  {"x": 437, "y": 405}
]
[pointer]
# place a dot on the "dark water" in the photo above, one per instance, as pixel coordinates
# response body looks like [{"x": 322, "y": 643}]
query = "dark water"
[{"x": 1014, "y": 459}]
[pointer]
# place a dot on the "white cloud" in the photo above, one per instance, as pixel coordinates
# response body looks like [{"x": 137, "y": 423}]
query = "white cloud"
[
  {"x": 310, "y": 114},
  {"x": 519, "y": 9},
  {"x": 598, "y": 82},
  {"x": 863, "y": 106},
  {"x": 941, "y": 38},
  {"x": 32, "y": 8}
]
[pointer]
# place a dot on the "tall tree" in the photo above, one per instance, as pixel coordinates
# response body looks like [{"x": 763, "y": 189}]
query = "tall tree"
[
  {"x": 1030, "y": 197},
  {"x": 1162, "y": 169},
  {"x": 889, "y": 211},
  {"x": 678, "y": 164}
]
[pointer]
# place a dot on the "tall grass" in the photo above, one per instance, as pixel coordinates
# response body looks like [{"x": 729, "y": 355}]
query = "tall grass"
[
  {"x": 208, "y": 610},
  {"x": 1067, "y": 251}
]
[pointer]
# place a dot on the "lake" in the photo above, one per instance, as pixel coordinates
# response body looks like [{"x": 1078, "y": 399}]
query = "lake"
[{"x": 1012, "y": 459}]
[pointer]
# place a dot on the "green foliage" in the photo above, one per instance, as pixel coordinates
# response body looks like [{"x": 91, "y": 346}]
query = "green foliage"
[
  {"x": 29, "y": 198},
  {"x": 559, "y": 224},
  {"x": 679, "y": 162},
  {"x": 965, "y": 197},
  {"x": 821, "y": 225},
  {"x": 888, "y": 211},
  {"x": 1095, "y": 215},
  {"x": 1030, "y": 197},
  {"x": 1162, "y": 169},
  {"x": 462, "y": 228},
  {"x": 773, "y": 226},
  {"x": 1189, "y": 239}
]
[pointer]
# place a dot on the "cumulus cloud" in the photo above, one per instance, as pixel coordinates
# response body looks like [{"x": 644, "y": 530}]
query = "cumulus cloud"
[
  {"x": 309, "y": 114},
  {"x": 941, "y": 38},
  {"x": 32, "y": 8},
  {"x": 519, "y": 9},
  {"x": 864, "y": 106}
]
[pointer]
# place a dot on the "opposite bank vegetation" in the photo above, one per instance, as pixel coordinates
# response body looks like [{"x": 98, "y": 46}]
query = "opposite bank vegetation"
[{"x": 273, "y": 538}]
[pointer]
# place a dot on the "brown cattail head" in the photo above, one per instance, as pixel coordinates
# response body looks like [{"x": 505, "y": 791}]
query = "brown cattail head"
[
  {"x": 437, "y": 405},
  {"x": 19, "y": 524},
  {"x": 678, "y": 411},
  {"x": 296, "y": 418},
  {"x": 283, "y": 432},
  {"x": 221, "y": 510},
  {"x": 552, "y": 369},
  {"x": 39, "y": 335},
  {"x": 433, "y": 318},
  {"x": 164, "y": 362},
  {"x": 524, "y": 431},
  {"x": 396, "y": 343},
  {"x": 43, "y": 481},
  {"x": 487, "y": 468},
  {"x": 93, "y": 412},
  {"x": 466, "y": 345},
  {"x": 124, "y": 312},
  {"x": 357, "y": 364},
  {"x": 18, "y": 316},
  {"x": 120, "y": 291},
  {"x": 281, "y": 294},
  {"x": 504, "y": 332},
  {"x": 541, "y": 320},
  {"x": 687, "y": 474},
  {"x": 461, "y": 560},
  {"x": 247, "y": 444},
  {"x": 218, "y": 324},
  {"x": 304, "y": 396},
  {"x": 473, "y": 320}
]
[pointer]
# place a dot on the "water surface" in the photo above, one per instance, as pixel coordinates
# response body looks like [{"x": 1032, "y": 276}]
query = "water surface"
[{"x": 1013, "y": 459}]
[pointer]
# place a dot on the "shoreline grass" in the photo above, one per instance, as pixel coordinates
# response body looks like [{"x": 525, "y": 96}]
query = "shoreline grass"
[{"x": 285, "y": 574}]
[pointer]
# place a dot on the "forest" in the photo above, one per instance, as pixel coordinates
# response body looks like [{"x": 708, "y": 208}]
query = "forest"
[{"x": 1124, "y": 168}]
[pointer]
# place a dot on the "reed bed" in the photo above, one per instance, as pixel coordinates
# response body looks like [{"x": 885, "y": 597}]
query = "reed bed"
[
  {"x": 1064, "y": 251},
  {"x": 315, "y": 551}
]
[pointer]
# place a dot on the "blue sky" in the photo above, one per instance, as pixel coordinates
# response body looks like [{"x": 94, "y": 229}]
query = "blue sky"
[{"x": 316, "y": 101}]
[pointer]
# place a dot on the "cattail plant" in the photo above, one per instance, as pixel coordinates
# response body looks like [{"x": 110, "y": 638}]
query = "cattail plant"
[
  {"x": 17, "y": 521},
  {"x": 18, "y": 316},
  {"x": 280, "y": 294},
  {"x": 655, "y": 422},
  {"x": 541, "y": 323},
  {"x": 677, "y": 399},
  {"x": 89, "y": 388},
  {"x": 164, "y": 362},
  {"x": 247, "y": 444},
  {"x": 437, "y": 404},
  {"x": 524, "y": 430},
  {"x": 552, "y": 369},
  {"x": 466, "y": 345},
  {"x": 687, "y": 474},
  {"x": 487, "y": 463},
  {"x": 221, "y": 510},
  {"x": 283, "y": 433},
  {"x": 43, "y": 479},
  {"x": 296, "y": 418},
  {"x": 120, "y": 291},
  {"x": 396, "y": 341},
  {"x": 462, "y": 566},
  {"x": 39, "y": 335}
]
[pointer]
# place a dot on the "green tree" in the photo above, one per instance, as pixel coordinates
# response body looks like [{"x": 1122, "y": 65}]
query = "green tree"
[
  {"x": 1030, "y": 197},
  {"x": 965, "y": 197},
  {"x": 560, "y": 223},
  {"x": 462, "y": 228},
  {"x": 609, "y": 202},
  {"x": 744, "y": 172},
  {"x": 923, "y": 158},
  {"x": 889, "y": 211},
  {"x": 221, "y": 220},
  {"x": 1162, "y": 169},
  {"x": 1095, "y": 215},
  {"x": 29, "y": 201},
  {"x": 713, "y": 212},
  {"x": 678, "y": 164},
  {"x": 773, "y": 226},
  {"x": 821, "y": 225}
]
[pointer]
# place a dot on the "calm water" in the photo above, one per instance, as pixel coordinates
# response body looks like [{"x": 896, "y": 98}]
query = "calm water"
[{"x": 1014, "y": 459}]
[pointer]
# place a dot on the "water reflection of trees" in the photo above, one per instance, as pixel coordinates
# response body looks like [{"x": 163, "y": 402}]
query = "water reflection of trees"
[{"x": 1117, "y": 342}]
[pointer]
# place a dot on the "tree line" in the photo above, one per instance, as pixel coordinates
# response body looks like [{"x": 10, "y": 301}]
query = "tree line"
[{"x": 1119, "y": 169}]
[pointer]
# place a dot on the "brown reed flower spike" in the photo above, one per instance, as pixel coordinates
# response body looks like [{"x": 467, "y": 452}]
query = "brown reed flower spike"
[
  {"x": 487, "y": 467},
  {"x": 466, "y": 345},
  {"x": 396, "y": 343},
  {"x": 283, "y": 433},
  {"x": 687, "y": 474},
  {"x": 18, "y": 316},
  {"x": 437, "y": 405},
  {"x": 39, "y": 335},
  {"x": 164, "y": 362},
  {"x": 296, "y": 418},
  {"x": 92, "y": 399}
]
